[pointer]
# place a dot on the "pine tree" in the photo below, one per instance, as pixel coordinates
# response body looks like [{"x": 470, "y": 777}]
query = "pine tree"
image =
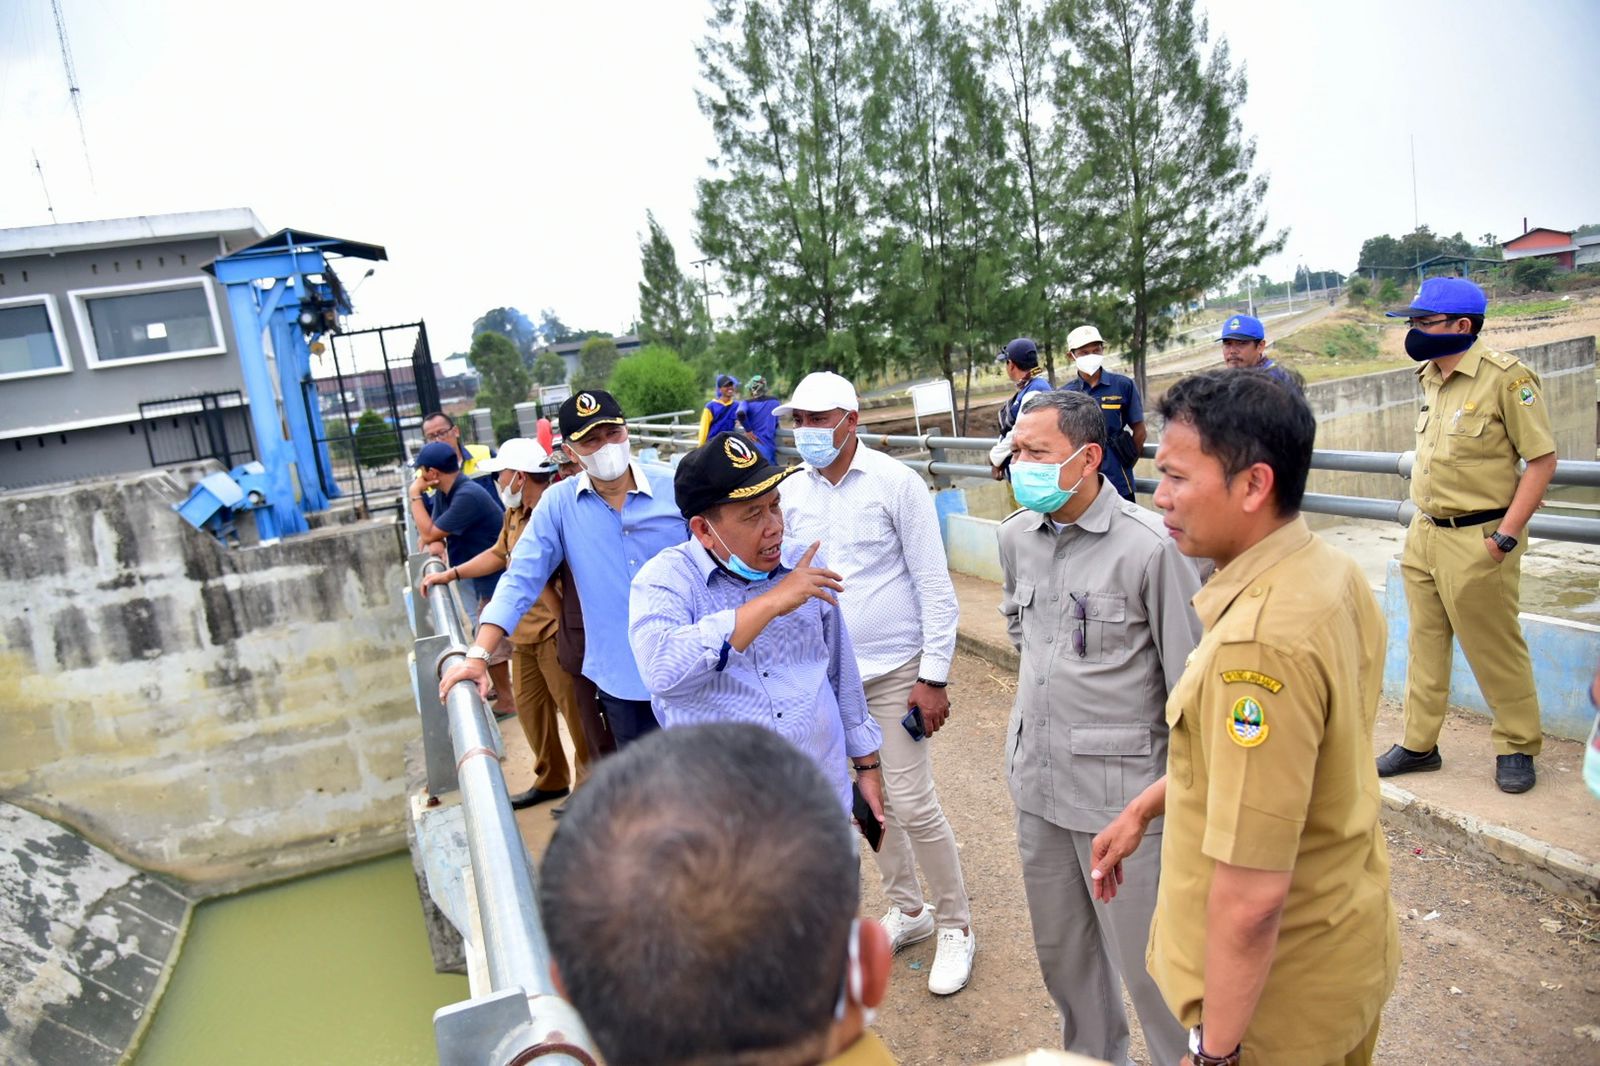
[
  {"x": 1163, "y": 201},
  {"x": 790, "y": 82},
  {"x": 671, "y": 311}
]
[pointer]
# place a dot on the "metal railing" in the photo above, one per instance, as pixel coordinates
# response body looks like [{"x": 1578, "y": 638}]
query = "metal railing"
[
  {"x": 478, "y": 870},
  {"x": 940, "y": 471}
]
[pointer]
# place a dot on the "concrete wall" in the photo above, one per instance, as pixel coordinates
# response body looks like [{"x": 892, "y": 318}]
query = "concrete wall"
[
  {"x": 222, "y": 716},
  {"x": 1564, "y": 655},
  {"x": 52, "y": 415}
]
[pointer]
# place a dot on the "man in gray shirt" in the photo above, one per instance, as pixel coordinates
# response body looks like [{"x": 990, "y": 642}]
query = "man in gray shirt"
[{"x": 1096, "y": 598}]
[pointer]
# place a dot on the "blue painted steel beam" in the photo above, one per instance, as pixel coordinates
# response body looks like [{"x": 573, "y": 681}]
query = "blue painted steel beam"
[
  {"x": 285, "y": 264},
  {"x": 280, "y": 517}
]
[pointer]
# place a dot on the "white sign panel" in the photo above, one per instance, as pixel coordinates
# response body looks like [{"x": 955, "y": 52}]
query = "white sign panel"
[
  {"x": 554, "y": 394},
  {"x": 934, "y": 398}
]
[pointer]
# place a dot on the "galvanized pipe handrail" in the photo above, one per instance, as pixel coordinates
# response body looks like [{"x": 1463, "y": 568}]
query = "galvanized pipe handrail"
[
  {"x": 514, "y": 945},
  {"x": 1569, "y": 472}
]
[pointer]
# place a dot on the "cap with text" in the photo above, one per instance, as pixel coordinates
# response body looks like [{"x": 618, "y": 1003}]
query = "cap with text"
[
  {"x": 581, "y": 413},
  {"x": 1243, "y": 328},
  {"x": 822, "y": 391},
  {"x": 1444, "y": 296},
  {"x": 725, "y": 469}
]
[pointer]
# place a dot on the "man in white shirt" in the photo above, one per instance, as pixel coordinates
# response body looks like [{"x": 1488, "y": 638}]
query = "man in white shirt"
[{"x": 878, "y": 529}]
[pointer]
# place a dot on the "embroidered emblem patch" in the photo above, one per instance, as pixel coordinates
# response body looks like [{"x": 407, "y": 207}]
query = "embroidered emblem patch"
[
  {"x": 1251, "y": 677},
  {"x": 739, "y": 453},
  {"x": 1233, "y": 323},
  {"x": 1525, "y": 396},
  {"x": 587, "y": 405},
  {"x": 1247, "y": 724}
]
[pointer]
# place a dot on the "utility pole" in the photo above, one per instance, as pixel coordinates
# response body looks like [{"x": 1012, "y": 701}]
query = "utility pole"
[
  {"x": 1249, "y": 296},
  {"x": 705, "y": 288},
  {"x": 1416, "y": 215}
]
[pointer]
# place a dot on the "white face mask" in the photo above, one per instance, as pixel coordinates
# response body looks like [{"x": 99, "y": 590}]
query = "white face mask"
[
  {"x": 608, "y": 463},
  {"x": 1089, "y": 365},
  {"x": 512, "y": 497}
]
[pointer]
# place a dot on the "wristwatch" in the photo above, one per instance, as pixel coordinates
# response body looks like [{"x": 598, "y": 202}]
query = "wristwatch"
[
  {"x": 1503, "y": 542},
  {"x": 478, "y": 652},
  {"x": 1200, "y": 1058}
]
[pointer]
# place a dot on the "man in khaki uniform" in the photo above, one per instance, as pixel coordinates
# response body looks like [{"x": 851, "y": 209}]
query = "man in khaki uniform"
[
  {"x": 1274, "y": 935},
  {"x": 1481, "y": 412},
  {"x": 543, "y": 689}
]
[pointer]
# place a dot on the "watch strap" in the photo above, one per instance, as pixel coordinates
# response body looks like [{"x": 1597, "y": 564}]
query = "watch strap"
[
  {"x": 1504, "y": 541},
  {"x": 479, "y": 652}
]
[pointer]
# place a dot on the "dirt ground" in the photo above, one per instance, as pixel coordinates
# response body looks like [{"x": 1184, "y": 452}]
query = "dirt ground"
[{"x": 1503, "y": 973}]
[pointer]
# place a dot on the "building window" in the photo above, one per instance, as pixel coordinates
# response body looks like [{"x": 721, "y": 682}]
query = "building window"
[
  {"x": 145, "y": 323},
  {"x": 30, "y": 338}
]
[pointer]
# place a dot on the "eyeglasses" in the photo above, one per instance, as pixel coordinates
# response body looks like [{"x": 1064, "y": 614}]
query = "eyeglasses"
[
  {"x": 439, "y": 434},
  {"x": 1080, "y": 636},
  {"x": 1415, "y": 323}
]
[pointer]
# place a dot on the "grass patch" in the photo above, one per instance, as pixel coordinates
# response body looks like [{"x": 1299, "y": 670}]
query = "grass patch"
[
  {"x": 1342, "y": 341},
  {"x": 1531, "y": 307}
]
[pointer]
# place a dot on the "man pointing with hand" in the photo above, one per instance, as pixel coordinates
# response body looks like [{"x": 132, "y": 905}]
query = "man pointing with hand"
[{"x": 739, "y": 625}]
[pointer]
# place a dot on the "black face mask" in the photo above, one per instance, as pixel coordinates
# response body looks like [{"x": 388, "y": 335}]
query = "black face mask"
[{"x": 1422, "y": 346}]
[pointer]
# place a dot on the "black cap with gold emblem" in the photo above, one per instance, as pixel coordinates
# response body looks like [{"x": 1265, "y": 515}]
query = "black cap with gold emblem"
[
  {"x": 725, "y": 469},
  {"x": 581, "y": 413}
]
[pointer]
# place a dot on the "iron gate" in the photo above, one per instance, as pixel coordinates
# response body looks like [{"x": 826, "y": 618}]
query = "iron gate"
[
  {"x": 186, "y": 429},
  {"x": 365, "y": 399}
]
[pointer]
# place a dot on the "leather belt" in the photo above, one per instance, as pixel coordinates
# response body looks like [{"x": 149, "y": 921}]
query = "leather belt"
[{"x": 1476, "y": 518}]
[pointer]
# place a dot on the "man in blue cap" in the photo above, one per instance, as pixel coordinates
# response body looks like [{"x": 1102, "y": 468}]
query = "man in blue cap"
[
  {"x": 1244, "y": 347},
  {"x": 1481, "y": 413},
  {"x": 1021, "y": 359}
]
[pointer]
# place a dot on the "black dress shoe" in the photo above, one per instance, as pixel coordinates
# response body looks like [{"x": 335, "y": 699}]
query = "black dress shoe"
[
  {"x": 1514, "y": 772},
  {"x": 1398, "y": 760},
  {"x": 533, "y": 796}
]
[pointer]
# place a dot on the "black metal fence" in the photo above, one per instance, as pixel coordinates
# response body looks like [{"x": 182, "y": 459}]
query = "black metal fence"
[
  {"x": 185, "y": 429},
  {"x": 365, "y": 400}
]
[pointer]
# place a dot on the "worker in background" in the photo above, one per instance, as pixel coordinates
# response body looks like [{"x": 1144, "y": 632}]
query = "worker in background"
[{"x": 722, "y": 410}]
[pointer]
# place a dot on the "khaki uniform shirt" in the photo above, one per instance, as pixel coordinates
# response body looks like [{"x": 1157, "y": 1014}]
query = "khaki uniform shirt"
[
  {"x": 1271, "y": 768},
  {"x": 1087, "y": 732},
  {"x": 1472, "y": 429},
  {"x": 539, "y": 623}
]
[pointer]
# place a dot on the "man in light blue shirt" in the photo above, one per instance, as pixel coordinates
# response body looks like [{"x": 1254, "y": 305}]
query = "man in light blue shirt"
[
  {"x": 606, "y": 524},
  {"x": 737, "y": 625}
]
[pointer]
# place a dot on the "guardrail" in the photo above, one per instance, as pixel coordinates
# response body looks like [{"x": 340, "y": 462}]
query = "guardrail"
[
  {"x": 940, "y": 470},
  {"x": 478, "y": 870}
]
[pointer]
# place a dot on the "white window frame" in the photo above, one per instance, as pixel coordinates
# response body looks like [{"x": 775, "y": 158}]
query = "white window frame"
[
  {"x": 59, "y": 335},
  {"x": 80, "y": 312}
]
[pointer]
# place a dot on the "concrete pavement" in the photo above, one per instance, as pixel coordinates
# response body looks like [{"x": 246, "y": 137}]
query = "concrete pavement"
[{"x": 1550, "y": 836}]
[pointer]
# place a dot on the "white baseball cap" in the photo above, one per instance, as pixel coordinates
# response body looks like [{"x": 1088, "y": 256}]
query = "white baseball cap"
[
  {"x": 1081, "y": 336},
  {"x": 822, "y": 391},
  {"x": 519, "y": 453}
]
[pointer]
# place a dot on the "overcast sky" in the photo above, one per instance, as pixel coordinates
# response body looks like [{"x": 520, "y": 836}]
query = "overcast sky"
[{"x": 505, "y": 154}]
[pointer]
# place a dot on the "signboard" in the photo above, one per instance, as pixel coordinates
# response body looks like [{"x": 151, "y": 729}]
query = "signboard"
[
  {"x": 554, "y": 395},
  {"x": 933, "y": 398}
]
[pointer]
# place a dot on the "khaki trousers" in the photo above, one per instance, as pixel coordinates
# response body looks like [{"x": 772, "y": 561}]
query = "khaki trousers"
[
  {"x": 915, "y": 828},
  {"x": 1084, "y": 947},
  {"x": 1455, "y": 588},
  {"x": 543, "y": 689}
]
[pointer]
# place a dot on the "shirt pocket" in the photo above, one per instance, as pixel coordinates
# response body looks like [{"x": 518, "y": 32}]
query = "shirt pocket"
[
  {"x": 1422, "y": 420},
  {"x": 1107, "y": 617},
  {"x": 1022, "y": 595},
  {"x": 1110, "y": 764},
  {"x": 1180, "y": 749},
  {"x": 1468, "y": 440}
]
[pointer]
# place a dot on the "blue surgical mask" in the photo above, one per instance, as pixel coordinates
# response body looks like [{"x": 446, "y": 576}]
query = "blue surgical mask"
[
  {"x": 736, "y": 565},
  {"x": 1037, "y": 486},
  {"x": 1422, "y": 345},
  {"x": 815, "y": 444}
]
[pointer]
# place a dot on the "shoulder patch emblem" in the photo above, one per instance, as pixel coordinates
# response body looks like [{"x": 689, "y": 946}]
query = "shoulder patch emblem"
[
  {"x": 1251, "y": 677},
  {"x": 1247, "y": 724},
  {"x": 1517, "y": 384},
  {"x": 1526, "y": 396}
]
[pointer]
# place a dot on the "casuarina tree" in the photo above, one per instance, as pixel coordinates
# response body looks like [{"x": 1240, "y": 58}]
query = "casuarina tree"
[
  {"x": 503, "y": 380},
  {"x": 1164, "y": 202},
  {"x": 671, "y": 310}
]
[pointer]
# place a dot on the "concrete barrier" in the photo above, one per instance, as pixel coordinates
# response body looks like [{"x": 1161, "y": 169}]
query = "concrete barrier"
[
  {"x": 226, "y": 717},
  {"x": 1565, "y": 655},
  {"x": 972, "y": 546}
]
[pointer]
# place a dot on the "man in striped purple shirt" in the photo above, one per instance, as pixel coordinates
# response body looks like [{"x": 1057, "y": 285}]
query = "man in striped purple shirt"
[{"x": 738, "y": 625}]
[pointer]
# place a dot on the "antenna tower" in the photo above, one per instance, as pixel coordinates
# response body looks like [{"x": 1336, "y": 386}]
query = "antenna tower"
[{"x": 72, "y": 83}]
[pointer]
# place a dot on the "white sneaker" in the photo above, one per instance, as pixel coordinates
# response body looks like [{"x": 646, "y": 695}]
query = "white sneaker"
[
  {"x": 904, "y": 929},
  {"x": 952, "y": 962}
]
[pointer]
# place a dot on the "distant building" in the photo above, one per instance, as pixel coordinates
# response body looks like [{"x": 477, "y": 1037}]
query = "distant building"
[
  {"x": 627, "y": 344},
  {"x": 1560, "y": 246},
  {"x": 97, "y": 318}
]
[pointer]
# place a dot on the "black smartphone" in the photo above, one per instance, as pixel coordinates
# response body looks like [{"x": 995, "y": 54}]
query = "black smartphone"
[
  {"x": 913, "y": 723},
  {"x": 871, "y": 828}
]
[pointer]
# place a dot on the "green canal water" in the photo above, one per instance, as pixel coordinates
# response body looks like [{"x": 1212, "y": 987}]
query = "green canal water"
[{"x": 332, "y": 968}]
